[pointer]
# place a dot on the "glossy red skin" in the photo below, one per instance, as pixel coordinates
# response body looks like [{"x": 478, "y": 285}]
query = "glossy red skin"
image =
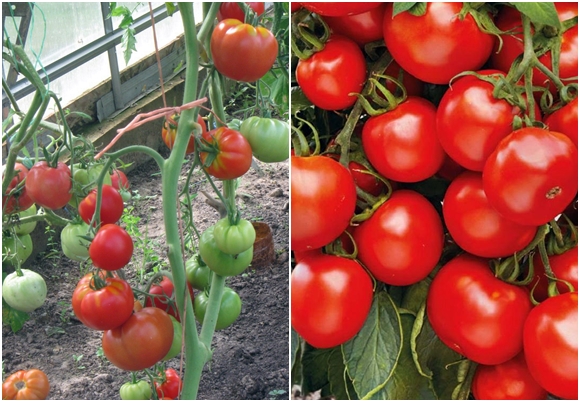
[
  {"x": 564, "y": 266},
  {"x": 322, "y": 201},
  {"x": 171, "y": 387},
  {"x": 362, "y": 28},
  {"x": 165, "y": 292},
  {"x": 235, "y": 153},
  {"x": 49, "y": 187},
  {"x": 476, "y": 314},
  {"x": 111, "y": 205},
  {"x": 413, "y": 86},
  {"x": 510, "y": 19},
  {"x": 532, "y": 175},
  {"x": 233, "y": 10},
  {"x": 475, "y": 226},
  {"x": 105, "y": 308},
  {"x": 438, "y": 45},
  {"x": 330, "y": 297},
  {"x": 143, "y": 340},
  {"x": 242, "y": 52},
  {"x": 551, "y": 345},
  {"x": 402, "y": 241},
  {"x": 337, "y": 9},
  {"x": 20, "y": 201},
  {"x": 471, "y": 122},
  {"x": 112, "y": 248},
  {"x": 169, "y": 132},
  {"x": 402, "y": 144},
  {"x": 329, "y": 76},
  {"x": 565, "y": 121},
  {"x": 119, "y": 180},
  {"x": 507, "y": 381},
  {"x": 300, "y": 255},
  {"x": 366, "y": 182}
]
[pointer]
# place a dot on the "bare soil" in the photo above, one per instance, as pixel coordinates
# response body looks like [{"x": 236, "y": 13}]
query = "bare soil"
[{"x": 250, "y": 358}]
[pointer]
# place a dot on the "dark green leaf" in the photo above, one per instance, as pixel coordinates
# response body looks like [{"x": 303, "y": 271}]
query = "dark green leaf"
[
  {"x": 432, "y": 358},
  {"x": 298, "y": 101},
  {"x": 417, "y": 9},
  {"x": 126, "y": 22},
  {"x": 294, "y": 344},
  {"x": 415, "y": 295},
  {"x": 14, "y": 318},
  {"x": 539, "y": 12},
  {"x": 400, "y": 7},
  {"x": 372, "y": 355},
  {"x": 340, "y": 384},
  {"x": 314, "y": 369}
]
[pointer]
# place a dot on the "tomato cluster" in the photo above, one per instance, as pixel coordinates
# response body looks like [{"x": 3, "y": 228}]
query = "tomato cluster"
[{"x": 470, "y": 163}]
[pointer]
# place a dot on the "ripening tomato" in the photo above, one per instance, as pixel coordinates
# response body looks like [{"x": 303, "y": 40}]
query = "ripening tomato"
[
  {"x": 551, "y": 345},
  {"x": 329, "y": 77},
  {"x": 438, "y": 45},
  {"x": 565, "y": 121},
  {"x": 164, "y": 298},
  {"x": 476, "y": 314},
  {"x": 323, "y": 199},
  {"x": 119, "y": 180},
  {"x": 26, "y": 385},
  {"x": 171, "y": 387},
  {"x": 402, "y": 144},
  {"x": 336, "y": 9},
  {"x": 169, "y": 132},
  {"x": 475, "y": 226},
  {"x": 232, "y": 153},
  {"x": 532, "y": 175},
  {"x": 233, "y": 10},
  {"x": 506, "y": 381},
  {"x": 49, "y": 187},
  {"x": 112, "y": 248},
  {"x": 564, "y": 266},
  {"x": 402, "y": 241},
  {"x": 19, "y": 200},
  {"x": 330, "y": 299},
  {"x": 242, "y": 52},
  {"x": 362, "y": 28},
  {"x": 111, "y": 206}
]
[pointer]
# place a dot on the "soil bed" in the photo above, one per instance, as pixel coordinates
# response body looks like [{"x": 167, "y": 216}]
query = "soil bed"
[{"x": 250, "y": 358}]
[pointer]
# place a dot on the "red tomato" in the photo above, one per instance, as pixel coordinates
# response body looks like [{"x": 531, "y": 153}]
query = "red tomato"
[
  {"x": 450, "y": 169},
  {"x": 329, "y": 77},
  {"x": 471, "y": 122},
  {"x": 104, "y": 308},
  {"x": 330, "y": 299},
  {"x": 565, "y": 121},
  {"x": 323, "y": 199},
  {"x": 438, "y": 45},
  {"x": 233, "y": 10},
  {"x": 242, "y": 52},
  {"x": 475, "y": 226},
  {"x": 119, "y": 180},
  {"x": 402, "y": 241},
  {"x": 112, "y": 248},
  {"x": 169, "y": 132},
  {"x": 413, "y": 86},
  {"x": 233, "y": 154},
  {"x": 143, "y": 340},
  {"x": 476, "y": 314},
  {"x": 164, "y": 292},
  {"x": 564, "y": 266},
  {"x": 509, "y": 19},
  {"x": 366, "y": 182},
  {"x": 295, "y": 7},
  {"x": 49, "y": 187},
  {"x": 361, "y": 28},
  {"x": 506, "y": 381},
  {"x": 111, "y": 205},
  {"x": 171, "y": 387},
  {"x": 402, "y": 144},
  {"x": 336, "y": 9},
  {"x": 551, "y": 345},
  {"x": 300, "y": 255},
  {"x": 532, "y": 175},
  {"x": 19, "y": 200}
]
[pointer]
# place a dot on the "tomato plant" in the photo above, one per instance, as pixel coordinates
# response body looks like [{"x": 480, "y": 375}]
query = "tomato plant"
[
  {"x": 242, "y": 52},
  {"x": 551, "y": 344},
  {"x": 229, "y": 311},
  {"x": 478, "y": 300},
  {"x": 330, "y": 299},
  {"x": 141, "y": 341},
  {"x": 564, "y": 266},
  {"x": 164, "y": 298},
  {"x": 171, "y": 385},
  {"x": 112, "y": 248},
  {"x": 111, "y": 206},
  {"x": 233, "y": 10},
  {"x": 231, "y": 155},
  {"x": 269, "y": 138},
  {"x": 30, "y": 384},
  {"x": 16, "y": 197},
  {"x": 133, "y": 391},
  {"x": 48, "y": 186},
  {"x": 24, "y": 291}
]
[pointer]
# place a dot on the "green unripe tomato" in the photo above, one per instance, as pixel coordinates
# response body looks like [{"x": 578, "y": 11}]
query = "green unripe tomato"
[
  {"x": 269, "y": 138},
  {"x": 230, "y": 308},
  {"x": 135, "y": 391},
  {"x": 177, "y": 340},
  {"x": 24, "y": 293},
  {"x": 219, "y": 262},
  {"x": 84, "y": 180},
  {"x": 26, "y": 228},
  {"x": 234, "y": 239},
  {"x": 16, "y": 249},
  {"x": 73, "y": 246},
  {"x": 198, "y": 274}
]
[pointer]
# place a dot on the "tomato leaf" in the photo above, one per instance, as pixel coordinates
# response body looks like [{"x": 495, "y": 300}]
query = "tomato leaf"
[
  {"x": 128, "y": 43},
  {"x": 14, "y": 318},
  {"x": 315, "y": 369},
  {"x": 432, "y": 358},
  {"x": 539, "y": 13},
  {"x": 298, "y": 101},
  {"x": 294, "y": 345},
  {"x": 372, "y": 355},
  {"x": 341, "y": 386},
  {"x": 415, "y": 296},
  {"x": 414, "y": 8}
]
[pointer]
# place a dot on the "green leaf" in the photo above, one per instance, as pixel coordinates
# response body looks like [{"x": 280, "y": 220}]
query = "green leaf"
[
  {"x": 126, "y": 21},
  {"x": 372, "y": 355},
  {"x": 314, "y": 369},
  {"x": 119, "y": 11},
  {"x": 14, "y": 318},
  {"x": 298, "y": 101},
  {"x": 401, "y": 7},
  {"x": 294, "y": 345},
  {"x": 171, "y": 8},
  {"x": 128, "y": 44},
  {"x": 416, "y": 8},
  {"x": 416, "y": 295},
  {"x": 432, "y": 358},
  {"x": 539, "y": 12},
  {"x": 340, "y": 384}
]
